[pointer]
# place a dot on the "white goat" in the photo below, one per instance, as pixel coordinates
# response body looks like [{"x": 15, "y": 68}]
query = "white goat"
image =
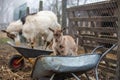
[
  {"x": 63, "y": 44},
  {"x": 38, "y": 24},
  {"x": 14, "y": 30}
]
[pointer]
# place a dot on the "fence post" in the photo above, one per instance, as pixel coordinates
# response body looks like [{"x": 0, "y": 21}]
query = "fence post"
[
  {"x": 40, "y": 5},
  {"x": 39, "y": 41},
  {"x": 27, "y": 11},
  {"x": 64, "y": 6},
  {"x": 118, "y": 51}
]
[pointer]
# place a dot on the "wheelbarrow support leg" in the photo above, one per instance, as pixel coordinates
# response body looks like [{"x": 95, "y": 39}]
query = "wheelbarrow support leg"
[
  {"x": 87, "y": 76},
  {"x": 96, "y": 74},
  {"x": 20, "y": 60},
  {"x": 77, "y": 78},
  {"x": 52, "y": 77}
]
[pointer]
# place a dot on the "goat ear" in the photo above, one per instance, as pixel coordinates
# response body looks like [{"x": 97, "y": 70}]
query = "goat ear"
[
  {"x": 4, "y": 31},
  {"x": 51, "y": 29}
]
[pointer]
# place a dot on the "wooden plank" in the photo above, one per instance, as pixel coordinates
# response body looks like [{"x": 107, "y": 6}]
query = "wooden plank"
[
  {"x": 118, "y": 53},
  {"x": 107, "y": 69},
  {"x": 91, "y": 47},
  {"x": 110, "y": 60},
  {"x": 105, "y": 40},
  {"x": 64, "y": 17},
  {"x": 94, "y": 6},
  {"x": 40, "y": 5},
  {"x": 102, "y": 36},
  {"x": 99, "y": 29},
  {"x": 95, "y": 18},
  {"x": 111, "y": 66}
]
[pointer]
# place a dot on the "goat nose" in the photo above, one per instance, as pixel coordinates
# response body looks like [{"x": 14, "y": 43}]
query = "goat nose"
[{"x": 56, "y": 34}]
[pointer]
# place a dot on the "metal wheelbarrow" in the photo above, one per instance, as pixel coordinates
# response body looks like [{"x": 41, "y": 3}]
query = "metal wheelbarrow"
[
  {"x": 62, "y": 67},
  {"x": 17, "y": 61}
]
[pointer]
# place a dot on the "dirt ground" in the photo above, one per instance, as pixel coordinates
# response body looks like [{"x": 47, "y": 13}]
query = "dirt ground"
[{"x": 6, "y": 52}]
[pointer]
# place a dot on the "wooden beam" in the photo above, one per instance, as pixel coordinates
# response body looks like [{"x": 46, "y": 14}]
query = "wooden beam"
[
  {"x": 118, "y": 53},
  {"x": 106, "y": 69},
  {"x": 64, "y": 6},
  {"x": 91, "y": 47},
  {"x": 110, "y": 60},
  {"x": 111, "y": 66},
  {"x": 94, "y": 6},
  {"x": 27, "y": 10},
  {"x": 107, "y": 40},
  {"x": 80, "y": 35},
  {"x": 99, "y": 29},
  {"x": 96, "y": 18},
  {"x": 40, "y": 5}
]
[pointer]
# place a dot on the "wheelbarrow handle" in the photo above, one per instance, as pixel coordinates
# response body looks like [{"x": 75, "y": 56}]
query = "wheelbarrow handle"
[
  {"x": 107, "y": 51},
  {"x": 102, "y": 55},
  {"x": 98, "y": 47}
]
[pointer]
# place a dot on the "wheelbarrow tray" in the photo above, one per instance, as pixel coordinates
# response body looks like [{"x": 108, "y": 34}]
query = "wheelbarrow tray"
[
  {"x": 30, "y": 53},
  {"x": 47, "y": 65}
]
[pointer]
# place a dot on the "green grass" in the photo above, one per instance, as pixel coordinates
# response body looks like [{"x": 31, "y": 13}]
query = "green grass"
[{"x": 3, "y": 40}]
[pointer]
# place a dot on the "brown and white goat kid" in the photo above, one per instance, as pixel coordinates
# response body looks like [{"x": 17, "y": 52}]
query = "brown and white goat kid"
[{"x": 63, "y": 44}]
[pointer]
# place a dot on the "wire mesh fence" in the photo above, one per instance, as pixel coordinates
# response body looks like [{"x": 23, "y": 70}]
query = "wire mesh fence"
[{"x": 96, "y": 24}]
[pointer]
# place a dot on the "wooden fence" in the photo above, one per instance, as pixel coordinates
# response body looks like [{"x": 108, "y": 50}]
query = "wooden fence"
[{"x": 96, "y": 24}]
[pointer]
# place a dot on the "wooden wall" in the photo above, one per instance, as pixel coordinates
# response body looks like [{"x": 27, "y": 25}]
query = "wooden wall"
[{"x": 96, "y": 24}]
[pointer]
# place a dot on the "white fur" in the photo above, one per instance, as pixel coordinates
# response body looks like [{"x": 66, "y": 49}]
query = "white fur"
[
  {"x": 39, "y": 24},
  {"x": 14, "y": 28},
  {"x": 63, "y": 44}
]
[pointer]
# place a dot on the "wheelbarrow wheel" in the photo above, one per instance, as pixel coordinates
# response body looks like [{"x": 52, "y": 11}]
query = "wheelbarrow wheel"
[{"x": 15, "y": 63}]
